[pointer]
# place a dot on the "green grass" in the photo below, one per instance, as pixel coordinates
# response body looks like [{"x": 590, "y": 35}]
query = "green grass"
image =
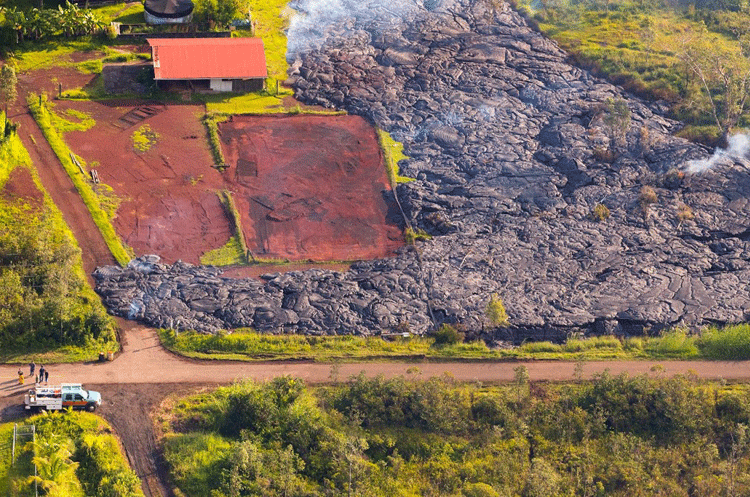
[
  {"x": 263, "y": 102},
  {"x": 246, "y": 345},
  {"x": 126, "y": 13},
  {"x": 12, "y": 152},
  {"x": 393, "y": 152},
  {"x": 730, "y": 343},
  {"x": 230, "y": 254},
  {"x": 235, "y": 251},
  {"x": 144, "y": 138},
  {"x": 73, "y": 121},
  {"x": 211, "y": 121},
  {"x": 271, "y": 19},
  {"x": 53, "y": 53},
  {"x": 100, "y": 216},
  {"x": 194, "y": 458},
  {"x": 58, "y": 355}
]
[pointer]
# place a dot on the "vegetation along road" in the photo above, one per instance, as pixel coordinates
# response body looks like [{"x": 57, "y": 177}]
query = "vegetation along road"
[
  {"x": 143, "y": 360},
  {"x": 144, "y": 374}
]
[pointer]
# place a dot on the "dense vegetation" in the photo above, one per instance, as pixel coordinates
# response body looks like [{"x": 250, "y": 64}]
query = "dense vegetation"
[
  {"x": 692, "y": 55},
  {"x": 45, "y": 302},
  {"x": 614, "y": 436},
  {"x": 75, "y": 455}
]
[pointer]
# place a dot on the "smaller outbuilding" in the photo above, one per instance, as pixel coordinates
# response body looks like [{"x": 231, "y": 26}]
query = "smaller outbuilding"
[
  {"x": 168, "y": 11},
  {"x": 219, "y": 64}
]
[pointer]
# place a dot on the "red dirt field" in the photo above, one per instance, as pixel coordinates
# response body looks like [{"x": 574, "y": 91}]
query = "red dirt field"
[
  {"x": 309, "y": 187},
  {"x": 169, "y": 196}
]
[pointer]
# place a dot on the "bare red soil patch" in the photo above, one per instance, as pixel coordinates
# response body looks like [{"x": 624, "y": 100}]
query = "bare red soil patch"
[
  {"x": 169, "y": 191},
  {"x": 310, "y": 187},
  {"x": 20, "y": 186}
]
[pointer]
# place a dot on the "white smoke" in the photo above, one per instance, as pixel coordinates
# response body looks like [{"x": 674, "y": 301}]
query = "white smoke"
[
  {"x": 738, "y": 149},
  {"x": 315, "y": 20}
]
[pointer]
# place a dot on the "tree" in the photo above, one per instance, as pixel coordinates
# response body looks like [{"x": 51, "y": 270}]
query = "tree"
[
  {"x": 8, "y": 81},
  {"x": 496, "y": 311},
  {"x": 616, "y": 122},
  {"x": 723, "y": 75}
]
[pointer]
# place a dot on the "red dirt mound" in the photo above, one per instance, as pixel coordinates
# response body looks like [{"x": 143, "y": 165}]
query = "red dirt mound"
[{"x": 310, "y": 187}]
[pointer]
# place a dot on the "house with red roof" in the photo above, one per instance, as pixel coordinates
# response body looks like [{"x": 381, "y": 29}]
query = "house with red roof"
[{"x": 219, "y": 64}]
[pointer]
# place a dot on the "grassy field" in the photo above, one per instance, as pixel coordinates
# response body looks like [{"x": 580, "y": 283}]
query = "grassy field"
[
  {"x": 643, "y": 47},
  {"x": 393, "y": 152},
  {"x": 245, "y": 345}
]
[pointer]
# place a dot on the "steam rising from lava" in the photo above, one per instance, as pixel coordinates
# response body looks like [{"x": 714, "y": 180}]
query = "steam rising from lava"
[
  {"x": 313, "y": 21},
  {"x": 739, "y": 146}
]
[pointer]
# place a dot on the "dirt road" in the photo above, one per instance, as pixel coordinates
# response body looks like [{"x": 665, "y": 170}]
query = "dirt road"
[{"x": 144, "y": 374}]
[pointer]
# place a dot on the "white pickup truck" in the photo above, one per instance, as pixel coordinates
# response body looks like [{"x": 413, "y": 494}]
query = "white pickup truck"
[{"x": 56, "y": 397}]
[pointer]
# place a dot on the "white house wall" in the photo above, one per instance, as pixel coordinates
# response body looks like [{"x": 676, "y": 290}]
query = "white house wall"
[{"x": 221, "y": 84}]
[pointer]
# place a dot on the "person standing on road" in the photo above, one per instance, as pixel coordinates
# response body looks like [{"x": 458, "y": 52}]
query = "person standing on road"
[
  {"x": 41, "y": 373},
  {"x": 20, "y": 376},
  {"x": 32, "y": 367},
  {"x": 46, "y": 376}
]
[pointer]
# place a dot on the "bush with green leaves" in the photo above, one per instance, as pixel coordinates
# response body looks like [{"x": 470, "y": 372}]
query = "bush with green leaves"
[{"x": 447, "y": 335}]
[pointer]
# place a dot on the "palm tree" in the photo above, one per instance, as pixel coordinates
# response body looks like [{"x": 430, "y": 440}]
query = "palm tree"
[{"x": 54, "y": 472}]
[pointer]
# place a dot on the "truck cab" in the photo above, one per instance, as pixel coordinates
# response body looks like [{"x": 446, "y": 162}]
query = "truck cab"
[{"x": 53, "y": 398}]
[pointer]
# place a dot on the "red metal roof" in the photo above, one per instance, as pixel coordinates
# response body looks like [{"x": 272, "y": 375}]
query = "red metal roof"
[{"x": 205, "y": 58}]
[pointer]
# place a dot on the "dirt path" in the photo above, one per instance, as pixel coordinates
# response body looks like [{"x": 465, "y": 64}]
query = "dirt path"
[{"x": 60, "y": 187}]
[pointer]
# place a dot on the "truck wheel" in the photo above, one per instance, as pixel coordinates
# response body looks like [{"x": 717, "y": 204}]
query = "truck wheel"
[{"x": 91, "y": 407}]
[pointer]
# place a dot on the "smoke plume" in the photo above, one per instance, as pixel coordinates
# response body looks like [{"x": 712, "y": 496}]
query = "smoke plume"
[
  {"x": 739, "y": 146},
  {"x": 316, "y": 20}
]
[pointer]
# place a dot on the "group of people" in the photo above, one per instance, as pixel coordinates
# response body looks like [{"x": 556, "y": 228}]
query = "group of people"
[{"x": 43, "y": 375}]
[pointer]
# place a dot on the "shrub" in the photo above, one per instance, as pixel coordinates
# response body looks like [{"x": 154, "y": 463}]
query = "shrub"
[
  {"x": 447, "y": 335},
  {"x": 684, "y": 213},
  {"x": 633, "y": 343},
  {"x": 648, "y": 196},
  {"x": 496, "y": 311},
  {"x": 600, "y": 212},
  {"x": 603, "y": 342},
  {"x": 411, "y": 235}
]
